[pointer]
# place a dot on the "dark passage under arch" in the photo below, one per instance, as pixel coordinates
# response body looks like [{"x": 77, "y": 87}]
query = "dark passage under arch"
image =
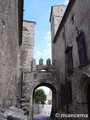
[{"x": 88, "y": 100}]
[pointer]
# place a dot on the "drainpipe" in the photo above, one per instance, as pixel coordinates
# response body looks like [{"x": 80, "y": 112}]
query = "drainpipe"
[{"x": 67, "y": 106}]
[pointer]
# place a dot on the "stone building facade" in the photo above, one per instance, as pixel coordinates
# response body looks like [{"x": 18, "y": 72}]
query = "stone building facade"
[
  {"x": 71, "y": 56},
  {"x": 11, "y": 15}
]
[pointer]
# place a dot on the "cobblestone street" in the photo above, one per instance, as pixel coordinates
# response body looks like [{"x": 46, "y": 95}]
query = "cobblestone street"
[{"x": 41, "y": 117}]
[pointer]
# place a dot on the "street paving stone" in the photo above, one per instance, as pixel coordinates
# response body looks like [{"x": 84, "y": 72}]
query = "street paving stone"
[{"x": 41, "y": 117}]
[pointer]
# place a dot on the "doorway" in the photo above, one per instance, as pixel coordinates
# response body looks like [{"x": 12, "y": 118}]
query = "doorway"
[
  {"x": 48, "y": 109},
  {"x": 88, "y": 100}
]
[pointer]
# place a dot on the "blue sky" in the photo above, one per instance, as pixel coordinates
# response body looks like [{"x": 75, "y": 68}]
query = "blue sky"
[{"x": 39, "y": 11}]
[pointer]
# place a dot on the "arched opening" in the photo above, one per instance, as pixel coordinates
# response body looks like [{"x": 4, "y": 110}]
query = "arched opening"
[
  {"x": 42, "y": 102},
  {"x": 47, "y": 110},
  {"x": 88, "y": 100},
  {"x": 84, "y": 94}
]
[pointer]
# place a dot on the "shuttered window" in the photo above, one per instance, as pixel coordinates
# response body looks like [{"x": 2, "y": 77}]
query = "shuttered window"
[{"x": 81, "y": 48}]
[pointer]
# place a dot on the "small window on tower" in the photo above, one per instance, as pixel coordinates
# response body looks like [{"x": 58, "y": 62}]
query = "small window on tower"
[
  {"x": 81, "y": 48},
  {"x": 72, "y": 19}
]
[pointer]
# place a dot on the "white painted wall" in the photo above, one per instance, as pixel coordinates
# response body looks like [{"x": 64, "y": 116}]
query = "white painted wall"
[{"x": 42, "y": 109}]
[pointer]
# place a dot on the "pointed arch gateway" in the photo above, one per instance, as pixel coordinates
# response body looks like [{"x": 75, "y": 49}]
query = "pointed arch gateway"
[{"x": 84, "y": 93}]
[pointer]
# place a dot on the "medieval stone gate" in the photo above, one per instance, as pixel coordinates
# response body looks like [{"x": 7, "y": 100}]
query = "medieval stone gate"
[{"x": 40, "y": 75}]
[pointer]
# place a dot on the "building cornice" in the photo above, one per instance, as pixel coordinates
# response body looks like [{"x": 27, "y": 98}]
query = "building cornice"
[{"x": 29, "y": 21}]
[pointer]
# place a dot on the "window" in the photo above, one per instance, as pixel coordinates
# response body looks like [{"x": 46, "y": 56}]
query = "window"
[
  {"x": 81, "y": 47},
  {"x": 69, "y": 60},
  {"x": 66, "y": 92},
  {"x": 72, "y": 19},
  {"x": 63, "y": 94}
]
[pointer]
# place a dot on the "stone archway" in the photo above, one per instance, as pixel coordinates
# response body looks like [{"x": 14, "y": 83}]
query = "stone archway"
[
  {"x": 83, "y": 93},
  {"x": 30, "y": 80},
  {"x": 54, "y": 97}
]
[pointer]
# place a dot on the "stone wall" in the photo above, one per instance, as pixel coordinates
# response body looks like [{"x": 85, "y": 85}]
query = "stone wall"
[
  {"x": 76, "y": 17},
  {"x": 40, "y": 75},
  {"x": 9, "y": 43},
  {"x": 26, "y": 50}
]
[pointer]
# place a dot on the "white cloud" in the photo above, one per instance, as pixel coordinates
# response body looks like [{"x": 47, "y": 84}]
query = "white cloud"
[
  {"x": 39, "y": 53},
  {"x": 66, "y": 2},
  {"x": 48, "y": 36},
  {"x": 46, "y": 52}
]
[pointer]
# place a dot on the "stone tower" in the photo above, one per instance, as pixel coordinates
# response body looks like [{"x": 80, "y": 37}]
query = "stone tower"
[
  {"x": 26, "y": 54},
  {"x": 56, "y": 15}
]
